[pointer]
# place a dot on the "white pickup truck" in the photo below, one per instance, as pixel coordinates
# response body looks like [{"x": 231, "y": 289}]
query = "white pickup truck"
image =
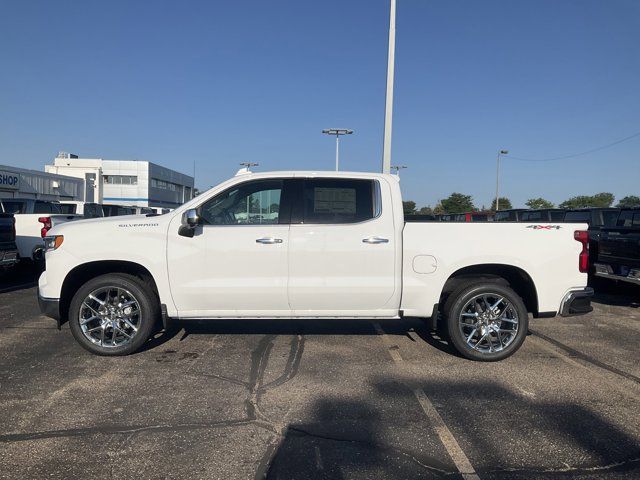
[
  {"x": 328, "y": 245},
  {"x": 34, "y": 218}
]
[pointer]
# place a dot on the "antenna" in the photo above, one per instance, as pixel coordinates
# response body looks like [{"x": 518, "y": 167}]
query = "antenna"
[
  {"x": 397, "y": 168},
  {"x": 246, "y": 167}
]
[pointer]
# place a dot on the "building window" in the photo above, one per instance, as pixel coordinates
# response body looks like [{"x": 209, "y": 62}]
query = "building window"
[
  {"x": 121, "y": 179},
  {"x": 161, "y": 184}
]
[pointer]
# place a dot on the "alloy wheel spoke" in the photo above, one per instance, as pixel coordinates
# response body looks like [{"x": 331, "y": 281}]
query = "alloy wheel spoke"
[
  {"x": 130, "y": 325},
  {"x": 96, "y": 299},
  {"x": 84, "y": 321},
  {"x": 471, "y": 335},
  {"x": 124, "y": 333}
]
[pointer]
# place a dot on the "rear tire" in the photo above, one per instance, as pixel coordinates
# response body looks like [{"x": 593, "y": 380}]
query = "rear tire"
[
  {"x": 113, "y": 314},
  {"x": 485, "y": 321}
]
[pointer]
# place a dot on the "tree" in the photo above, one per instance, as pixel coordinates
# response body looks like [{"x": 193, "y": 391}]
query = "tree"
[
  {"x": 425, "y": 211},
  {"x": 409, "y": 207},
  {"x": 504, "y": 204},
  {"x": 438, "y": 209},
  {"x": 539, "y": 203},
  {"x": 457, "y": 203},
  {"x": 603, "y": 199},
  {"x": 629, "y": 201}
]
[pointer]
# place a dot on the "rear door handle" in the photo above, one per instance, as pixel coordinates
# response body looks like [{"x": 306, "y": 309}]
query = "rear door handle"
[
  {"x": 268, "y": 240},
  {"x": 375, "y": 240}
]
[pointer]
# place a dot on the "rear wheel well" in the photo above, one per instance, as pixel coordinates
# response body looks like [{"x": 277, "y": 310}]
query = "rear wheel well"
[
  {"x": 85, "y": 272},
  {"x": 509, "y": 275}
]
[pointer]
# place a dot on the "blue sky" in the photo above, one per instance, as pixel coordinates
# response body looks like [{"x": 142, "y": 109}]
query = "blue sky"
[{"x": 224, "y": 82}]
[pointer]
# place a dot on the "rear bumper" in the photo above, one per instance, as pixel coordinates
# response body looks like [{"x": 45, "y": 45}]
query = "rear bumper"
[
  {"x": 49, "y": 307},
  {"x": 625, "y": 274},
  {"x": 577, "y": 302}
]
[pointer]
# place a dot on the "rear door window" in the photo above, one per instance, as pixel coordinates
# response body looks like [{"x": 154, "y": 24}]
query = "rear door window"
[
  {"x": 13, "y": 207},
  {"x": 337, "y": 200},
  {"x": 93, "y": 210},
  {"x": 42, "y": 207},
  {"x": 68, "y": 208},
  {"x": 609, "y": 218},
  {"x": 577, "y": 217}
]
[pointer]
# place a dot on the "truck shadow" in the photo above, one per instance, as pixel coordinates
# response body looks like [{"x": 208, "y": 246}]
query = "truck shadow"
[
  {"x": 516, "y": 437},
  {"x": 414, "y": 328}
]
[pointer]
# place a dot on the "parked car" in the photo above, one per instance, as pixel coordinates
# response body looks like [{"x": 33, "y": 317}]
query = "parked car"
[
  {"x": 482, "y": 216},
  {"x": 542, "y": 215},
  {"x": 619, "y": 248},
  {"x": 420, "y": 218},
  {"x": 511, "y": 215},
  {"x": 596, "y": 218},
  {"x": 86, "y": 209},
  {"x": 33, "y": 219},
  {"x": 117, "y": 210},
  {"x": 8, "y": 247},
  {"x": 338, "y": 248}
]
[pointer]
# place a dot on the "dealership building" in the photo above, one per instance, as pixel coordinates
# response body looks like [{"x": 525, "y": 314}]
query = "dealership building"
[
  {"x": 22, "y": 183},
  {"x": 125, "y": 182}
]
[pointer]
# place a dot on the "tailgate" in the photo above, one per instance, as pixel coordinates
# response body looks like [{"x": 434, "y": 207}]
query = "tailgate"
[{"x": 620, "y": 246}]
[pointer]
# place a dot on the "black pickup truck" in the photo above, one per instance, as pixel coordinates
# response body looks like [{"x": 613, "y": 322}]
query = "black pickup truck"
[
  {"x": 619, "y": 248},
  {"x": 8, "y": 249}
]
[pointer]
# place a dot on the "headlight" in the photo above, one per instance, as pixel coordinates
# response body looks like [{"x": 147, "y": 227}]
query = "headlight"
[{"x": 52, "y": 242}]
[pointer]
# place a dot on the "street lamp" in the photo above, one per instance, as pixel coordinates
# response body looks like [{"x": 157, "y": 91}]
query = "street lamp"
[
  {"x": 501, "y": 152},
  {"x": 397, "y": 168},
  {"x": 337, "y": 132},
  {"x": 388, "y": 108}
]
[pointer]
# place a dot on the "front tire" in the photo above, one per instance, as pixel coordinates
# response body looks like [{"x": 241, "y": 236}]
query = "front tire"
[
  {"x": 486, "y": 321},
  {"x": 113, "y": 314}
]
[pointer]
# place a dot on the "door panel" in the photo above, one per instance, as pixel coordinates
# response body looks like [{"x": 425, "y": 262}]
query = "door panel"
[
  {"x": 347, "y": 267},
  {"x": 236, "y": 263}
]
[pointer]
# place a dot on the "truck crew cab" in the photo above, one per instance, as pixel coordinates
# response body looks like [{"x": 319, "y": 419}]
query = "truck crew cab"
[{"x": 310, "y": 245}]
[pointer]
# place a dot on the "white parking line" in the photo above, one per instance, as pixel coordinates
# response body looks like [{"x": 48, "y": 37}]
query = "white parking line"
[{"x": 450, "y": 443}]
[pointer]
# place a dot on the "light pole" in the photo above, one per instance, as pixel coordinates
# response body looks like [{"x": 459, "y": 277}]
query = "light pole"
[
  {"x": 388, "y": 109},
  {"x": 397, "y": 168},
  {"x": 337, "y": 132},
  {"x": 501, "y": 152}
]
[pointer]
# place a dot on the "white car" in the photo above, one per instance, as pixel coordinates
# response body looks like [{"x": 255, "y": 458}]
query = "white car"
[
  {"x": 34, "y": 218},
  {"x": 310, "y": 245}
]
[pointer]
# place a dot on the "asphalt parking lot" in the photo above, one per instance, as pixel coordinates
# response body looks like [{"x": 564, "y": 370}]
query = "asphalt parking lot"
[{"x": 309, "y": 399}]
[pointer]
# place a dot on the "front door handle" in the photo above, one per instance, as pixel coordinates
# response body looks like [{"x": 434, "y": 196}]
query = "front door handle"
[
  {"x": 268, "y": 240},
  {"x": 375, "y": 240}
]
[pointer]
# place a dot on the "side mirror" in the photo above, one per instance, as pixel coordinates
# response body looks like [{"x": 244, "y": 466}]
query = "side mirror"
[
  {"x": 191, "y": 218},
  {"x": 190, "y": 221}
]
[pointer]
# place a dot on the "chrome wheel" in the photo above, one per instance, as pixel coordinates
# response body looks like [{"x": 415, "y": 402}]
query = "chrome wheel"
[
  {"x": 110, "y": 317},
  {"x": 488, "y": 323}
]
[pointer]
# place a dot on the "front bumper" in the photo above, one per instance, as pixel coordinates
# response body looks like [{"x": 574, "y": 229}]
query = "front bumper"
[{"x": 577, "y": 302}]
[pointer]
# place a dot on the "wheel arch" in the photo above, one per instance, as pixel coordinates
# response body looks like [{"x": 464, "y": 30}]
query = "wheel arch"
[
  {"x": 517, "y": 278},
  {"x": 82, "y": 273}
]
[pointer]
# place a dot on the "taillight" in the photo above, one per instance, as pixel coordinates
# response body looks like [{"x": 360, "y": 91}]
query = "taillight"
[
  {"x": 46, "y": 225},
  {"x": 582, "y": 236}
]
